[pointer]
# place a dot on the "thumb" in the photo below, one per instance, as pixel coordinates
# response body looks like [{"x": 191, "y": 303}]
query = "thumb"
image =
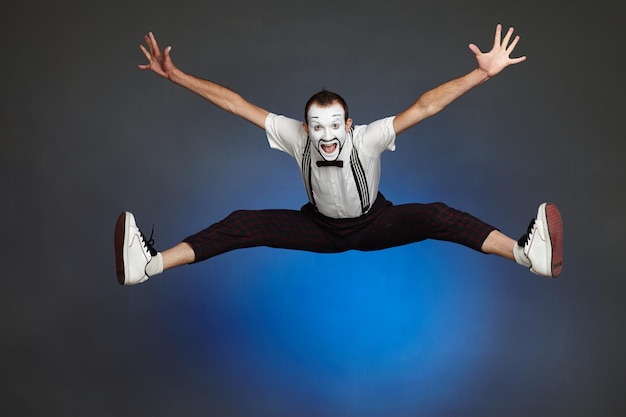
[{"x": 474, "y": 49}]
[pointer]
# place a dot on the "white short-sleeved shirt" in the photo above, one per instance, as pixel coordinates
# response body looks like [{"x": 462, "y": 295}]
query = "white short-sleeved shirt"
[{"x": 334, "y": 189}]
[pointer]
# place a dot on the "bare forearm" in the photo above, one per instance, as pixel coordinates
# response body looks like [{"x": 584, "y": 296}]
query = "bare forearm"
[
  {"x": 439, "y": 97},
  {"x": 222, "y": 97},
  {"x": 217, "y": 94},
  {"x": 435, "y": 100}
]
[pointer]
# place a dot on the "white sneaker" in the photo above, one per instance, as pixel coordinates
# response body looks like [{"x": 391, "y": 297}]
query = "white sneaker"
[
  {"x": 543, "y": 243},
  {"x": 132, "y": 251}
]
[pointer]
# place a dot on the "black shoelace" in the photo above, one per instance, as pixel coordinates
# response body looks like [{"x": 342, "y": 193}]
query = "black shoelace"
[
  {"x": 149, "y": 243},
  {"x": 524, "y": 239}
]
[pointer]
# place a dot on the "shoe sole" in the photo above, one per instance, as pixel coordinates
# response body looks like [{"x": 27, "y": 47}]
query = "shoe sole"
[
  {"x": 555, "y": 228},
  {"x": 120, "y": 228}
]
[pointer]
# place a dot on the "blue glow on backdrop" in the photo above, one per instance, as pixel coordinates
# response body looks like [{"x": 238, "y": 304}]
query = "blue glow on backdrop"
[{"x": 355, "y": 330}]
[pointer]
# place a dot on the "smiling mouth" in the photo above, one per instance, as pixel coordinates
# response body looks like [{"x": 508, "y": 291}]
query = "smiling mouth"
[{"x": 329, "y": 148}]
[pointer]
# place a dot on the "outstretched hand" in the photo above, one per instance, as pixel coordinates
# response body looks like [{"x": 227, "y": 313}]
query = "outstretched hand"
[
  {"x": 159, "y": 62},
  {"x": 498, "y": 58}
]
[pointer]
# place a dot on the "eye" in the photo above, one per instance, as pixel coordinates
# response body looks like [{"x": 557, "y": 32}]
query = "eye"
[
  {"x": 317, "y": 127},
  {"x": 336, "y": 125}
]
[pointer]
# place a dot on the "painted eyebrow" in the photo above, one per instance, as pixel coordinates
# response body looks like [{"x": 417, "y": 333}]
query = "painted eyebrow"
[{"x": 334, "y": 115}]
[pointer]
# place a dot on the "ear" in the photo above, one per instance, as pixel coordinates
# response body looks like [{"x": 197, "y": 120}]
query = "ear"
[
  {"x": 306, "y": 127},
  {"x": 348, "y": 125}
]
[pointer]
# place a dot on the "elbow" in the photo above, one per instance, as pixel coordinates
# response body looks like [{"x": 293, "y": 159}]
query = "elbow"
[
  {"x": 428, "y": 109},
  {"x": 236, "y": 105}
]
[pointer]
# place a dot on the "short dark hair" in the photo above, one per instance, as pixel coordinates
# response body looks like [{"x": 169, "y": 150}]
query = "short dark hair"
[{"x": 325, "y": 98}]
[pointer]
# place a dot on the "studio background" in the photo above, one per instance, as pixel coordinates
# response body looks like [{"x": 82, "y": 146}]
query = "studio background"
[{"x": 430, "y": 329}]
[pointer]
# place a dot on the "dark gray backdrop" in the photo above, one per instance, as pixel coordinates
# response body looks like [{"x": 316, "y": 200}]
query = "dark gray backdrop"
[{"x": 429, "y": 329}]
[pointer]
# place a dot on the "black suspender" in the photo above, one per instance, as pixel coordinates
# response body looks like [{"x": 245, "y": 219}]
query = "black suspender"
[
  {"x": 361, "y": 182},
  {"x": 357, "y": 172},
  {"x": 306, "y": 170}
]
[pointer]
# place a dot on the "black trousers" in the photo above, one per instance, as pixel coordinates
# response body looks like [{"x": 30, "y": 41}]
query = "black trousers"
[{"x": 384, "y": 226}]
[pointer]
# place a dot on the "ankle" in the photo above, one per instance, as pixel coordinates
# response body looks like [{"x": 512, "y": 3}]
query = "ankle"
[
  {"x": 155, "y": 266},
  {"x": 520, "y": 256}
]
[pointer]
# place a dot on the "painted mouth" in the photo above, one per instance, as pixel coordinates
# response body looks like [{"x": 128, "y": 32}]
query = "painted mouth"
[{"x": 329, "y": 149}]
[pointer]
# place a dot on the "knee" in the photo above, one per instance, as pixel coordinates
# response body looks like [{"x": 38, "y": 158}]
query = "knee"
[
  {"x": 439, "y": 211},
  {"x": 234, "y": 217},
  {"x": 443, "y": 217}
]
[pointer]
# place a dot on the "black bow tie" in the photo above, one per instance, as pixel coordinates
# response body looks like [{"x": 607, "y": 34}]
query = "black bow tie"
[{"x": 330, "y": 164}]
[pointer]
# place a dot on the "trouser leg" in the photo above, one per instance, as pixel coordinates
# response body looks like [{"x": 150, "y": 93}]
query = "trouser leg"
[
  {"x": 287, "y": 229},
  {"x": 408, "y": 223}
]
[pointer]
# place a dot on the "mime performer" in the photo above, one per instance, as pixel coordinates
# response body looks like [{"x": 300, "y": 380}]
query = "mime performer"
[{"x": 340, "y": 167}]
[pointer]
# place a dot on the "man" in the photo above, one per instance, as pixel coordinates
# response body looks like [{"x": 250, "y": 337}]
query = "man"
[{"x": 340, "y": 166}]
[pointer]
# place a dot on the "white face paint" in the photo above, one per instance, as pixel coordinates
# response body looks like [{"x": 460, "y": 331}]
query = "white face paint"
[{"x": 327, "y": 129}]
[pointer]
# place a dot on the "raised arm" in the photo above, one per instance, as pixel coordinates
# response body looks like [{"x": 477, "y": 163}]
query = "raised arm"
[
  {"x": 435, "y": 100},
  {"x": 223, "y": 97}
]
